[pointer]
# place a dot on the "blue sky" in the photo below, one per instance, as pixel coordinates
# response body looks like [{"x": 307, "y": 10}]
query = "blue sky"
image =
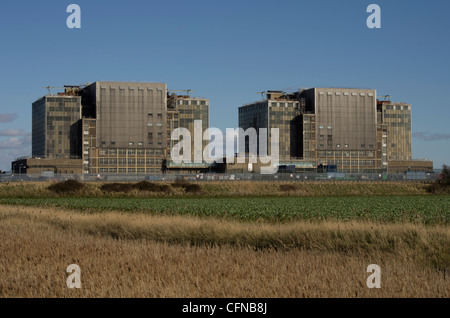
[{"x": 228, "y": 51}]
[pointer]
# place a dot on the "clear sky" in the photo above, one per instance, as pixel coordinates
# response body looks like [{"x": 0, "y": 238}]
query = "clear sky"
[{"x": 228, "y": 51}]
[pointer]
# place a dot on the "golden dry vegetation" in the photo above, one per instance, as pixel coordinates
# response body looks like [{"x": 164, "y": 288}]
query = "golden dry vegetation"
[
  {"x": 138, "y": 255},
  {"x": 231, "y": 188}
]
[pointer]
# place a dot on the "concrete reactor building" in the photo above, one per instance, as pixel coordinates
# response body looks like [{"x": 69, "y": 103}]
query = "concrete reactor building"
[
  {"x": 113, "y": 127},
  {"x": 344, "y": 128}
]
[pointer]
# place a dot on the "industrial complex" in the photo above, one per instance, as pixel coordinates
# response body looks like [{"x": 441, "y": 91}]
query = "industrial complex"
[{"x": 124, "y": 128}]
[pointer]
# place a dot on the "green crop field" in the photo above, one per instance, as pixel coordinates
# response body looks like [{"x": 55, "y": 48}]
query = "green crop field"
[{"x": 421, "y": 209}]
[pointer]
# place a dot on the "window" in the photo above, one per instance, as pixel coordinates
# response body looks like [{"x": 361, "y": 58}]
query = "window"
[{"x": 131, "y": 143}]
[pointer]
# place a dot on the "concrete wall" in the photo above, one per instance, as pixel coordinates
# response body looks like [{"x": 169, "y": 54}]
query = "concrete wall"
[
  {"x": 127, "y": 112},
  {"x": 345, "y": 118}
]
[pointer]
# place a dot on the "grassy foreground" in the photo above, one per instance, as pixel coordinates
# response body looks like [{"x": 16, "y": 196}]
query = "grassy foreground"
[
  {"x": 141, "y": 255},
  {"x": 224, "y": 239}
]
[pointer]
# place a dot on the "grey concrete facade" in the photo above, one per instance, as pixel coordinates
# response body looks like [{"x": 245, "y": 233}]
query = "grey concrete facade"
[
  {"x": 129, "y": 115},
  {"x": 345, "y": 118}
]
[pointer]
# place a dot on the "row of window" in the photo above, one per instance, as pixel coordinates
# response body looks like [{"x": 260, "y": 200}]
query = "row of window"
[
  {"x": 131, "y": 88},
  {"x": 191, "y": 102},
  {"x": 129, "y": 161},
  {"x": 397, "y": 107},
  {"x": 345, "y": 153},
  {"x": 273, "y": 104},
  {"x": 369, "y": 163},
  {"x": 129, "y": 170},
  {"x": 339, "y": 145},
  {"x": 131, "y": 152},
  {"x": 62, "y": 99},
  {"x": 347, "y": 94}
]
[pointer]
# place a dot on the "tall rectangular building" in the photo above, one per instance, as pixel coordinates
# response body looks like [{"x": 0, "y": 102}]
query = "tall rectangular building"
[
  {"x": 188, "y": 110},
  {"x": 277, "y": 111},
  {"x": 334, "y": 126},
  {"x": 397, "y": 119},
  {"x": 52, "y": 117},
  {"x": 129, "y": 115},
  {"x": 126, "y": 127},
  {"x": 345, "y": 128},
  {"x": 345, "y": 118}
]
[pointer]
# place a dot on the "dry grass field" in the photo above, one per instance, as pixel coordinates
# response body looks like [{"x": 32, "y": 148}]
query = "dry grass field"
[
  {"x": 221, "y": 188},
  {"x": 139, "y": 255}
]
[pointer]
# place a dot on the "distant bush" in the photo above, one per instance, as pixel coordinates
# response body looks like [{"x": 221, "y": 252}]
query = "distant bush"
[
  {"x": 67, "y": 187},
  {"x": 116, "y": 187},
  {"x": 288, "y": 187},
  {"x": 442, "y": 185},
  {"x": 151, "y": 187},
  {"x": 140, "y": 186},
  {"x": 188, "y": 187}
]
